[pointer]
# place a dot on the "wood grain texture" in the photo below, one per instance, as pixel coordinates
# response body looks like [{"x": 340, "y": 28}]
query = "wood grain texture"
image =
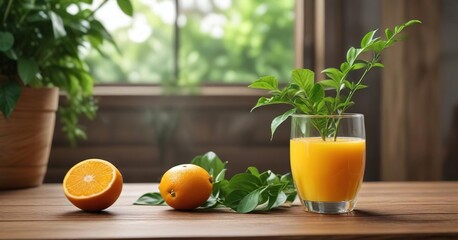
[
  {"x": 451, "y": 155},
  {"x": 411, "y": 147},
  {"x": 25, "y": 138},
  {"x": 409, "y": 210}
]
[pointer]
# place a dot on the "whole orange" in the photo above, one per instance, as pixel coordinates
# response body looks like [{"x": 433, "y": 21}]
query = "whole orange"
[{"x": 186, "y": 186}]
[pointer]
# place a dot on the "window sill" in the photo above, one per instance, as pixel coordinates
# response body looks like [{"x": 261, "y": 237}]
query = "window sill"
[{"x": 154, "y": 90}]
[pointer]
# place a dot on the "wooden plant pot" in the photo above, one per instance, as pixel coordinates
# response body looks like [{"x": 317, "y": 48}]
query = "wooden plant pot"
[{"x": 25, "y": 138}]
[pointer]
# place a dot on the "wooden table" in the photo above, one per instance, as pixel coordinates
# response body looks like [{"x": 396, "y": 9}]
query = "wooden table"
[{"x": 412, "y": 210}]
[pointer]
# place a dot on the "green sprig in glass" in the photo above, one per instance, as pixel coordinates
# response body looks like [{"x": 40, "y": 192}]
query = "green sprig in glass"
[{"x": 306, "y": 96}]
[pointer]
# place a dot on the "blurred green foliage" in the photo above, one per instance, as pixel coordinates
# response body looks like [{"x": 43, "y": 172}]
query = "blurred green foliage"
[{"x": 221, "y": 42}]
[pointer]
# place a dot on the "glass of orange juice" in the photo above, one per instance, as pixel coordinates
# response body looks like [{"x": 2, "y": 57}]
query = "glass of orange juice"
[{"x": 328, "y": 155}]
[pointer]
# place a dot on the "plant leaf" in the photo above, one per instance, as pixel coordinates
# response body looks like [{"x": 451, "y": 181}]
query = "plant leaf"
[
  {"x": 412, "y": 22},
  {"x": 153, "y": 198},
  {"x": 351, "y": 55},
  {"x": 126, "y": 7},
  {"x": 358, "y": 66},
  {"x": 221, "y": 175},
  {"x": 304, "y": 78},
  {"x": 266, "y": 82},
  {"x": 250, "y": 201},
  {"x": 361, "y": 86},
  {"x": 378, "y": 65},
  {"x": 344, "y": 66},
  {"x": 10, "y": 91},
  {"x": 388, "y": 33},
  {"x": 57, "y": 25},
  {"x": 27, "y": 69},
  {"x": 368, "y": 38},
  {"x": 6, "y": 41},
  {"x": 280, "y": 198},
  {"x": 348, "y": 84},
  {"x": 379, "y": 45},
  {"x": 334, "y": 73},
  {"x": 253, "y": 171},
  {"x": 232, "y": 199},
  {"x": 211, "y": 202},
  {"x": 279, "y": 120},
  {"x": 328, "y": 84},
  {"x": 244, "y": 182},
  {"x": 263, "y": 101},
  {"x": 211, "y": 163},
  {"x": 317, "y": 93}
]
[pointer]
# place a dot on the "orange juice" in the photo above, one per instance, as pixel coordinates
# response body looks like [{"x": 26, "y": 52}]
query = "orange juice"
[{"x": 327, "y": 171}]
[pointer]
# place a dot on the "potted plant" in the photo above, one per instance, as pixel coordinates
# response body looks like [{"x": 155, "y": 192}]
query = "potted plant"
[{"x": 40, "y": 42}]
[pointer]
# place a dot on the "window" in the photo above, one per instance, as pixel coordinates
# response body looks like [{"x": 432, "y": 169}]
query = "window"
[{"x": 190, "y": 42}]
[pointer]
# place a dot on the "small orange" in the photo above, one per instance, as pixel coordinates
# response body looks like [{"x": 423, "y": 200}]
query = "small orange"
[
  {"x": 186, "y": 186},
  {"x": 93, "y": 184}
]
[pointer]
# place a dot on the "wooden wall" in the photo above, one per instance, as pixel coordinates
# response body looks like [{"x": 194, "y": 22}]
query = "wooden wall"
[
  {"x": 145, "y": 135},
  {"x": 411, "y": 143}
]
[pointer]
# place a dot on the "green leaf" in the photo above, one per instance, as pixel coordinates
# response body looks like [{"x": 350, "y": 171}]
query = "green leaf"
[
  {"x": 348, "y": 84},
  {"x": 328, "y": 84},
  {"x": 220, "y": 177},
  {"x": 211, "y": 202},
  {"x": 279, "y": 199},
  {"x": 304, "y": 78},
  {"x": 388, "y": 33},
  {"x": 378, "y": 65},
  {"x": 344, "y": 66},
  {"x": 266, "y": 82},
  {"x": 321, "y": 107},
  {"x": 97, "y": 30},
  {"x": 233, "y": 198},
  {"x": 6, "y": 41},
  {"x": 210, "y": 162},
  {"x": 268, "y": 177},
  {"x": 279, "y": 120},
  {"x": 244, "y": 182},
  {"x": 317, "y": 93},
  {"x": 253, "y": 171},
  {"x": 351, "y": 55},
  {"x": 250, "y": 201},
  {"x": 11, "y": 54},
  {"x": 412, "y": 22},
  {"x": 28, "y": 4},
  {"x": 368, "y": 38},
  {"x": 358, "y": 66},
  {"x": 379, "y": 46},
  {"x": 27, "y": 69},
  {"x": 360, "y": 86},
  {"x": 57, "y": 25},
  {"x": 334, "y": 73},
  {"x": 126, "y": 7},
  {"x": 153, "y": 198},
  {"x": 10, "y": 91},
  {"x": 263, "y": 101}
]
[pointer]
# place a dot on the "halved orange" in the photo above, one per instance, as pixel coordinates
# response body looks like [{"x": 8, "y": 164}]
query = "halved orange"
[{"x": 93, "y": 184}]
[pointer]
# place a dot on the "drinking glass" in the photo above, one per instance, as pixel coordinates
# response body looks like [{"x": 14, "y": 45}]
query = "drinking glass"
[{"x": 328, "y": 155}]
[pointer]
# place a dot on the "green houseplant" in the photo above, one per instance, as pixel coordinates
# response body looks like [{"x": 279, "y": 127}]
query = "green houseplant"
[{"x": 40, "y": 43}]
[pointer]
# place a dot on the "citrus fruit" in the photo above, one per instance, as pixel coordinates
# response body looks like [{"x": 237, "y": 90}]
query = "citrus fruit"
[
  {"x": 186, "y": 186},
  {"x": 93, "y": 184}
]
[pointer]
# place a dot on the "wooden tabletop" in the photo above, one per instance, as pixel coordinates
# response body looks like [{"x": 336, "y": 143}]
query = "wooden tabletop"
[{"x": 385, "y": 211}]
